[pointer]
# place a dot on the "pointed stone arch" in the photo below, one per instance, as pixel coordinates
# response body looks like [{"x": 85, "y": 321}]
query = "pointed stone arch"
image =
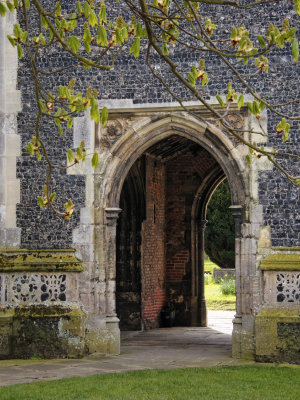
[
  {"x": 128, "y": 135},
  {"x": 146, "y": 131}
]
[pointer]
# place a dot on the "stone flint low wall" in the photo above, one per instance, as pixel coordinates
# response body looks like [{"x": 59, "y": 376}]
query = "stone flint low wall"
[
  {"x": 40, "y": 313},
  {"x": 223, "y": 273},
  {"x": 277, "y": 325}
]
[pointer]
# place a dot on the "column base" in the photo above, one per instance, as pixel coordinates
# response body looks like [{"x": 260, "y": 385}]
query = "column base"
[{"x": 113, "y": 335}]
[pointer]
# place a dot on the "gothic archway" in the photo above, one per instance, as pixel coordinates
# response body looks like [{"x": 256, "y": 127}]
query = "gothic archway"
[{"x": 143, "y": 133}]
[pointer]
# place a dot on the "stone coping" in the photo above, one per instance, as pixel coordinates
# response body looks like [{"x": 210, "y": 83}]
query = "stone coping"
[
  {"x": 282, "y": 259},
  {"x": 41, "y": 311},
  {"x": 279, "y": 312},
  {"x": 17, "y": 260}
]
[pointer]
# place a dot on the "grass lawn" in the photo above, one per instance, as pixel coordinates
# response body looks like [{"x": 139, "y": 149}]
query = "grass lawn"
[
  {"x": 217, "y": 383},
  {"x": 215, "y": 300}
]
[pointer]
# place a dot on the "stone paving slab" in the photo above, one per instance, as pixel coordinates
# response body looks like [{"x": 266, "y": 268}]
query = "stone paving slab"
[{"x": 165, "y": 348}]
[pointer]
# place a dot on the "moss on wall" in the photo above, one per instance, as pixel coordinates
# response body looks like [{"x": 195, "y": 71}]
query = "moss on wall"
[
  {"x": 12, "y": 260},
  {"x": 277, "y": 332},
  {"x": 50, "y": 332},
  {"x": 282, "y": 259}
]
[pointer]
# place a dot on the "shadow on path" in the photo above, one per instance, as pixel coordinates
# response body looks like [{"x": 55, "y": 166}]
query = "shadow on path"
[{"x": 164, "y": 348}]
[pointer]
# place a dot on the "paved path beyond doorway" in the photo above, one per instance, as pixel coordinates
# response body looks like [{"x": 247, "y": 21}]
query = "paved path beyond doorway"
[{"x": 165, "y": 348}]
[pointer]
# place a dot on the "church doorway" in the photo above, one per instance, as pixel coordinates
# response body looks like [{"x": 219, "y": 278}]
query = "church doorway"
[{"x": 160, "y": 235}]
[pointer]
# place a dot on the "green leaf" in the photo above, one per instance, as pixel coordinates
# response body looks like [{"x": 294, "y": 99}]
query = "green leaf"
[
  {"x": 139, "y": 31},
  {"x": 70, "y": 155},
  {"x": 87, "y": 37},
  {"x": 27, "y": 4},
  {"x": 290, "y": 35},
  {"x": 44, "y": 22},
  {"x": 261, "y": 41},
  {"x": 41, "y": 201},
  {"x": 102, "y": 36},
  {"x": 262, "y": 105},
  {"x": 297, "y": 6},
  {"x": 135, "y": 48},
  {"x": 286, "y": 132},
  {"x": 104, "y": 116},
  {"x": 59, "y": 128},
  {"x": 192, "y": 80},
  {"x": 29, "y": 147},
  {"x": 3, "y": 9},
  {"x": 233, "y": 33},
  {"x": 70, "y": 123},
  {"x": 295, "y": 49},
  {"x": 165, "y": 49},
  {"x": 249, "y": 105},
  {"x": 24, "y": 36},
  {"x": 95, "y": 160},
  {"x": 93, "y": 20},
  {"x": 194, "y": 71},
  {"x": 221, "y": 102},
  {"x": 52, "y": 197},
  {"x": 255, "y": 108},
  {"x": 95, "y": 114},
  {"x": 10, "y": 6},
  {"x": 240, "y": 102},
  {"x": 79, "y": 7},
  {"x": 17, "y": 30},
  {"x": 19, "y": 51},
  {"x": 11, "y": 40},
  {"x": 102, "y": 14},
  {"x": 87, "y": 9},
  {"x": 74, "y": 43},
  {"x": 125, "y": 33},
  {"x": 42, "y": 39},
  {"x": 248, "y": 158},
  {"x": 119, "y": 37},
  {"x": 38, "y": 156},
  {"x": 78, "y": 153}
]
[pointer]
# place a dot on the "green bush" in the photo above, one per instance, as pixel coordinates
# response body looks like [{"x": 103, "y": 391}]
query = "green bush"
[
  {"x": 219, "y": 232},
  {"x": 228, "y": 286}
]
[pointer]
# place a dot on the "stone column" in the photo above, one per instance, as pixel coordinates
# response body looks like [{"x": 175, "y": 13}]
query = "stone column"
[
  {"x": 112, "y": 321},
  {"x": 237, "y": 322},
  {"x": 202, "y": 312}
]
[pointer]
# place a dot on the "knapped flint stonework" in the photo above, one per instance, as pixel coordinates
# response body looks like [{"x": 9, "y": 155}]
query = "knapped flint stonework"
[{"x": 154, "y": 255}]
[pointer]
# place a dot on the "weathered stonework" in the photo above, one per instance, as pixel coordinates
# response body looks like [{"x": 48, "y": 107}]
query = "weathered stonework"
[
  {"x": 45, "y": 331},
  {"x": 138, "y": 226},
  {"x": 278, "y": 322}
]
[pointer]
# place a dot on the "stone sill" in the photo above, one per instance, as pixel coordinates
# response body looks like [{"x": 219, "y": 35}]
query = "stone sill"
[
  {"x": 282, "y": 259},
  {"x": 17, "y": 260}
]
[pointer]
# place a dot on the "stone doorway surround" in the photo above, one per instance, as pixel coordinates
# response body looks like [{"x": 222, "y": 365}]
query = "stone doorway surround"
[{"x": 129, "y": 132}]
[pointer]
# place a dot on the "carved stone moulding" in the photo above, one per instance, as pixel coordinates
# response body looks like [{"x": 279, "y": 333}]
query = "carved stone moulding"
[
  {"x": 112, "y": 131},
  {"x": 282, "y": 276}
]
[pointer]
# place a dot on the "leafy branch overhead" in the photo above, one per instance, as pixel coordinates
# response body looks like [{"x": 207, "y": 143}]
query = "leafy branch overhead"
[{"x": 93, "y": 36}]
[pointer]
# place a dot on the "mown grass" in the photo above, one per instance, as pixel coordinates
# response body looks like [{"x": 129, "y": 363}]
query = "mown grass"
[
  {"x": 216, "y": 383},
  {"x": 215, "y": 300}
]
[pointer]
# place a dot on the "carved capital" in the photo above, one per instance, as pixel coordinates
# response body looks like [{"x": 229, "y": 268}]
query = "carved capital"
[{"x": 112, "y": 215}]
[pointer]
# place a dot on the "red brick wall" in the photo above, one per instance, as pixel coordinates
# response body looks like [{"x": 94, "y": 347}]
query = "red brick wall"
[
  {"x": 183, "y": 178},
  {"x": 166, "y": 233},
  {"x": 153, "y": 251}
]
